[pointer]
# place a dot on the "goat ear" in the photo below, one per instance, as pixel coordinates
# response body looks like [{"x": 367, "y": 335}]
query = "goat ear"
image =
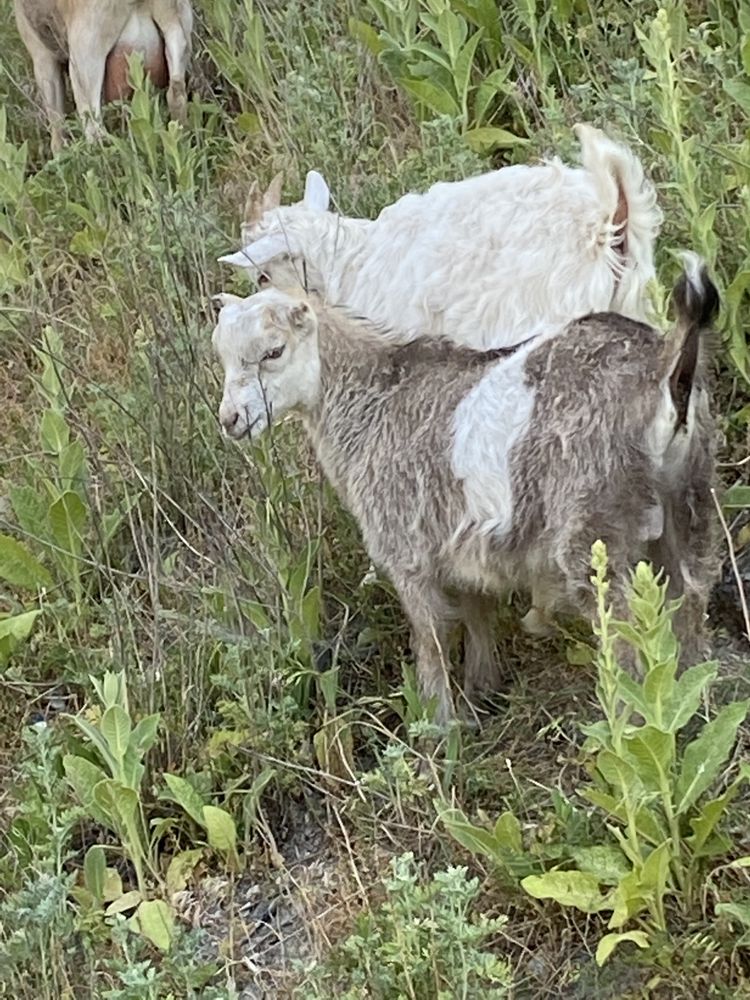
[
  {"x": 317, "y": 196},
  {"x": 301, "y": 318},
  {"x": 253, "y": 205},
  {"x": 257, "y": 254},
  {"x": 272, "y": 197},
  {"x": 222, "y": 299}
]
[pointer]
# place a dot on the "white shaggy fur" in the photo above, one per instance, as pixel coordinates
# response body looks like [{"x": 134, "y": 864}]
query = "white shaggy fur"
[
  {"x": 487, "y": 261},
  {"x": 481, "y": 452}
]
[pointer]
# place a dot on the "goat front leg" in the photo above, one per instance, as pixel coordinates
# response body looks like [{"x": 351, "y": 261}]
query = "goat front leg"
[
  {"x": 48, "y": 73},
  {"x": 175, "y": 21},
  {"x": 431, "y": 616}
]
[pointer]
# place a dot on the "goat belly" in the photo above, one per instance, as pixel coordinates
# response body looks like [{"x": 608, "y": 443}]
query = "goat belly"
[{"x": 139, "y": 35}]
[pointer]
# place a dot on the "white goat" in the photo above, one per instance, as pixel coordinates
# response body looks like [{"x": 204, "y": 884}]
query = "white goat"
[
  {"x": 95, "y": 37},
  {"x": 473, "y": 472},
  {"x": 486, "y": 262}
]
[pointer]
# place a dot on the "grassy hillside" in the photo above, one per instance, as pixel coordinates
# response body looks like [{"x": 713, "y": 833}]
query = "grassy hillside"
[{"x": 216, "y": 779}]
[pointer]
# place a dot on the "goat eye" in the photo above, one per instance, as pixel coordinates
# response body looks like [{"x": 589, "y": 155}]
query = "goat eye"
[
  {"x": 272, "y": 355},
  {"x": 263, "y": 279}
]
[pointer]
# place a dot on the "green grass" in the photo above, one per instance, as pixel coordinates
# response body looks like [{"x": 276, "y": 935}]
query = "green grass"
[{"x": 225, "y": 584}]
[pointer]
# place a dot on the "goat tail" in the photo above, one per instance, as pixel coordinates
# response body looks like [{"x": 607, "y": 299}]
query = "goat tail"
[
  {"x": 696, "y": 304},
  {"x": 695, "y": 297},
  {"x": 632, "y": 216}
]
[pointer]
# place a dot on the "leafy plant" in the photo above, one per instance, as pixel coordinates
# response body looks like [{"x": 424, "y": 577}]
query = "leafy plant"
[
  {"x": 111, "y": 790},
  {"x": 432, "y": 49},
  {"x": 420, "y": 943}
]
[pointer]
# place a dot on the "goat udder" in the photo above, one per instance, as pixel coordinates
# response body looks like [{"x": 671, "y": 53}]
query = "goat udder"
[{"x": 144, "y": 38}]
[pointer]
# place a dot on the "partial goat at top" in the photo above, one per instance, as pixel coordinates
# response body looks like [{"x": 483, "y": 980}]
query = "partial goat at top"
[
  {"x": 486, "y": 262},
  {"x": 94, "y": 38}
]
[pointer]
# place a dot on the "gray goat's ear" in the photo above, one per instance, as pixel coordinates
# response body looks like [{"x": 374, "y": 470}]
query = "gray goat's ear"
[
  {"x": 301, "y": 318},
  {"x": 317, "y": 196}
]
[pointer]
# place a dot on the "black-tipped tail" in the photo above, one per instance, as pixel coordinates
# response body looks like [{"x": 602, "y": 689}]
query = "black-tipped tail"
[
  {"x": 696, "y": 303},
  {"x": 695, "y": 297}
]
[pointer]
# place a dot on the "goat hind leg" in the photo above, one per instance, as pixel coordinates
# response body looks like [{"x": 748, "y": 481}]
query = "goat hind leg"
[
  {"x": 48, "y": 73},
  {"x": 175, "y": 21},
  {"x": 91, "y": 38},
  {"x": 482, "y": 671}
]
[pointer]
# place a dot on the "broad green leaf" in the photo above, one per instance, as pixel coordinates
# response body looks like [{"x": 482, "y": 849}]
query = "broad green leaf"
[
  {"x": 704, "y": 824},
  {"x": 706, "y": 755},
  {"x": 124, "y": 903},
  {"x": 653, "y": 875},
  {"x": 508, "y": 832},
  {"x": 19, "y": 567},
  {"x": 619, "y": 774},
  {"x": 463, "y": 66},
  {"x": 686, "y": 698},
  {"x": 736, "y": 498},
  {"x": 71, "y": 464},
  {"x": 112, "y": 885},
  {"x": 123, "y": 805},
  {"x": 30, "y": 509},
  {"x": 54, "y": 431},
  {"x": 144, "y": 734},
  {"x": 605, "y": 862},
  {"x": 658, "y": 688},
  {"x": 67, "y": 521},
  {"x": 183, "y": 793},
  {"x": 366, "y": 34},
  {"x": 486, "y": 138},
  {"x": 647, "y": 823},
  {"x": 17, "y": 628},
  {"x": 83, "y": 777},
  {"x": 652, "y": 753},
  {"x": 180, "y": 868},
  {"x": 156, "y": 922},
  {"x": 570, "y": 888},
  {"x": 739, "y": 912},
  {"x": 94, "y": 736},
  {"x": 94, "y": 871},
  {"x": 627, "y": 900},
  {"x": 221, "y": 831},
  {"x": 739, "y": 90},
  {"x": 115, "y": 728},
  {"x": 437, "y": 100},
  {"x": 610, "y": 941}
]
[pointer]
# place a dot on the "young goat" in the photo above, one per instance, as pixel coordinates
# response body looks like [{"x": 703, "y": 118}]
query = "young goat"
[
  {"x": 471, "y": 473},
  {"x": 95, "y": 37},
  {"x": 486, "y": 262}
]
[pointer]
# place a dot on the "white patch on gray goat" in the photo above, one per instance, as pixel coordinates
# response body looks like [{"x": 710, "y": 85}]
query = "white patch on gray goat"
[{"x": 487, "y": 424}]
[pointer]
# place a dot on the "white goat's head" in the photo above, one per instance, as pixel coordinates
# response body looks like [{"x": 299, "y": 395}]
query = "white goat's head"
[
  {"x": 271, "y": 242},
  {"x": 268, "y": 347}
]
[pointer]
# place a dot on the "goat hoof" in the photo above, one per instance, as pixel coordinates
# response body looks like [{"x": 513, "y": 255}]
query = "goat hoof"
[{"x": 535, "y": 623}]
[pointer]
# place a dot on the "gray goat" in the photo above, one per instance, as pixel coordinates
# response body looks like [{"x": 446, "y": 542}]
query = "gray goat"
[{"x": 471, "y": 473}]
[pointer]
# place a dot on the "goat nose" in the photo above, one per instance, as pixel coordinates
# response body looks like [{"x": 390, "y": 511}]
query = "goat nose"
[{"x": 230, "y": 420}]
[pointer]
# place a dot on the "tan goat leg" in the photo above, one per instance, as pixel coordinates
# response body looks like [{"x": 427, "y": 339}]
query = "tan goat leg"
[
  {"x": 93, "y": 31},
  {"x": 175, "y": 21},
  {"x": 48, "y": 73}
]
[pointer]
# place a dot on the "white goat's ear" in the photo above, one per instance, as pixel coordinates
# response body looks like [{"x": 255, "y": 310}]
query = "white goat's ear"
[
  {"x": 317, "y": 196},
  {"x": 222, "y": 299},
  {"x": 257, "y": 254},
  {"x": 272, "y": 197},
  {"x": 253, "y": 205}
]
